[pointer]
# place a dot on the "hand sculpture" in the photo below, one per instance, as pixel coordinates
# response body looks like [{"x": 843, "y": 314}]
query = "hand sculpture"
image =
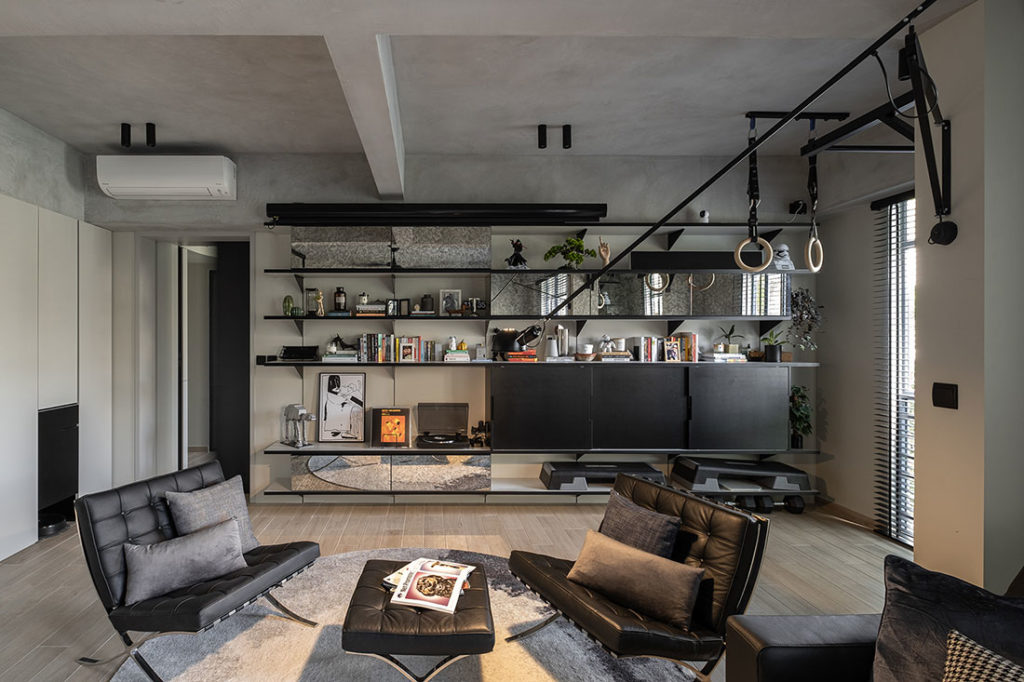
[{"x": 604, "y": 251}]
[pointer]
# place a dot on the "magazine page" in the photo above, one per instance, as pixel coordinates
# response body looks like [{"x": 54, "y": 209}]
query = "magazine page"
[
  {"x": 432, "y": 584},
  {"x": 395, "y": 579}
]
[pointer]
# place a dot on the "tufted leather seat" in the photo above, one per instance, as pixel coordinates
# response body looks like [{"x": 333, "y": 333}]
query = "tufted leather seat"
[
  {"x": 728, "y": 543},
  {"x": 138, "y": 513},
  {"x": 374, "y": 625}
]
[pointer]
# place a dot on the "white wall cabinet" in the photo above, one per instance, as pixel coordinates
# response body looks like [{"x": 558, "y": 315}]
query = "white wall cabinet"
[
  {"x": 58, "y": 309},
  {"x": 19, "y": 394}
]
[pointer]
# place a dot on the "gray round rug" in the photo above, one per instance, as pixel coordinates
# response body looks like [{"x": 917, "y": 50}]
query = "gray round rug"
[{"x": 254, "y": 644}]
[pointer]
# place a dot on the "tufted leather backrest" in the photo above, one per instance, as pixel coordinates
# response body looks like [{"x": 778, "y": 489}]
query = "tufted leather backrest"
[
  {"x": 137, "y": 513},
  {"x": 727, "y": 542}
]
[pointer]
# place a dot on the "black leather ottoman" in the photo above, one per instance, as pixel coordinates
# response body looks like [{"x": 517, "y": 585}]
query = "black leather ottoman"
[
  {"x": 800, "y": 648},
  {"x": 376, "y": 627}
]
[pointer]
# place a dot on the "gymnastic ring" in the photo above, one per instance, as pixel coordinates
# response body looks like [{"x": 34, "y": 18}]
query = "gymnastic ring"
[
  {"x": 752, "y": 268},
  {"x": 814, "y": 255},
  {"x": 666, "y": 281},
  {"x": 689, "y": 280}
]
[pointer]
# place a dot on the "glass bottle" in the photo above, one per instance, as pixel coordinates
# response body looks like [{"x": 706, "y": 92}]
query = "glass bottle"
[{"x": 340, "y": 299}]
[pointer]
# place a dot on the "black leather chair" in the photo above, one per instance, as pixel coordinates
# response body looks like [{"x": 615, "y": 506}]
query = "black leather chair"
[
  {"x": 138, "y": 513},
  {"x": 728, "y": 543},
  {"x": 838, "y": 648}
]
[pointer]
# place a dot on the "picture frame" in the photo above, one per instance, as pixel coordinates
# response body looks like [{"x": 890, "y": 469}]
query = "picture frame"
[
  {"x": 672, "y": 351},
  {"x": 341, "y": 407},
  {"x": 404, "y": 307},
  {"x": 407, "y": 351},
  {"x": 391, "y": 309},
  {"x": 390, "y": 426},
  {"x": 450, "y": 302}
]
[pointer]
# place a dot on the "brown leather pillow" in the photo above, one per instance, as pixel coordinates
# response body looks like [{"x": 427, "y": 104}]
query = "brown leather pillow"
[{"x": 663, "y": 589}]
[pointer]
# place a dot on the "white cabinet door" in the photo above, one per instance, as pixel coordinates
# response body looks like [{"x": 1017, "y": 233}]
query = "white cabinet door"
[
  {"x": 18, "y": 384},
  {"x": 95, "y": 371},
  {"x": 58, "y": 309}
]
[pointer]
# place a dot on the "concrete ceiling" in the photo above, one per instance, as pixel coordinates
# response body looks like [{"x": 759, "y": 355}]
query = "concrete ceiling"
[
  {"x": 445, "y": 76},
  {"x": 236, "y": 94}
]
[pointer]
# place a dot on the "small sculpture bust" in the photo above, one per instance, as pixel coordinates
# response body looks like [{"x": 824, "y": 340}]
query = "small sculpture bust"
[{"x": 452, "y": 343}]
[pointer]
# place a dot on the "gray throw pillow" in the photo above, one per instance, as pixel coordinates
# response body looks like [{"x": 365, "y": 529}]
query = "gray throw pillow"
[
  {"x": 967, "y": 661},
  {"x": 162, "y": 567},
  {"x": 639, "y": 527},
  {"x": 207, "y": 506},
  {"x": 663, "y": 589},
  {"x": 922, "y": 606}
]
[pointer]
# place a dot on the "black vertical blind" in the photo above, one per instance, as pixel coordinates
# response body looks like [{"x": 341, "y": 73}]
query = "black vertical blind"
[{"x": 895, "y": 278}]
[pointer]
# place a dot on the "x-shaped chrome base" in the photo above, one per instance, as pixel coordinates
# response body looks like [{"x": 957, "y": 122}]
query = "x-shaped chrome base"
[{"x": 408, "y": 674}]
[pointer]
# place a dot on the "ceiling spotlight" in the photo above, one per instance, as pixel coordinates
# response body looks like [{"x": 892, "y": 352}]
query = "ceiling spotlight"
[
  {"x": 566, "y": 136},
  {"x": 150, "y": 134},
  {"x": 126, "y": 135},
  {"x": 542, "y": 136}
]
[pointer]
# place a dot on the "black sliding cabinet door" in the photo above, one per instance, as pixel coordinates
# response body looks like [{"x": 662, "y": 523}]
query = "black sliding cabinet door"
[
  {"x": 229, "y": 359},
  {"x": 739, "y": 408},
  {"x": 540, "y": 407},
  {"x": 637, "y": 406}
]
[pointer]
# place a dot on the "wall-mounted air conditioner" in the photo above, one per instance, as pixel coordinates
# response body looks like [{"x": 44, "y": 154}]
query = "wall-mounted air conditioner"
[{"x": 166, "y": 177}]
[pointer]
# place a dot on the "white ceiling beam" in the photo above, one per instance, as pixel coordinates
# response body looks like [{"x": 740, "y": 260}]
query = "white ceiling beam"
[{"x": 367, "y": 75}]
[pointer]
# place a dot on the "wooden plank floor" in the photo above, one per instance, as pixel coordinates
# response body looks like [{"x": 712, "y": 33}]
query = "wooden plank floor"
[{"x": 50, "y": 615}]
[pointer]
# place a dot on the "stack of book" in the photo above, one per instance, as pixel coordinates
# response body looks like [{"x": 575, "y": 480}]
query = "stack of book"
[
  {"x": 615, "y": 356},
  {"x": 645, "y": 348},
  {"x": 371, "y": 310},
  {"x": 528, "y": 355},
  {"x": 339, "y": 313},
  {"x": 341, "y": 356},
  {"x": 723, "y": 357},
  {"x": 688, "y": 347},
  {"x": 456, "y": 356}
]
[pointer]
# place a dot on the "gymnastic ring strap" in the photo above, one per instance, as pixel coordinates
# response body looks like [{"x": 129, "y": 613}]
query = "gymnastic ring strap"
[
  {"x": 689, "y": 280},
  {"x": 754, "y": 268}
]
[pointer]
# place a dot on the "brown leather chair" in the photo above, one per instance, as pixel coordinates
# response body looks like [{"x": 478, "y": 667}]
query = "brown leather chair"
[{"x": 728, "y": 543}]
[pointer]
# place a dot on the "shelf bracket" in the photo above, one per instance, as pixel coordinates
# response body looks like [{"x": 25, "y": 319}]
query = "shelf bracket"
[
  {"x": 672, "y": 238},
  {"x": 298, "y": 370},
  {"x": 298, "y": 324},
  {"x": 672, "y": 326},
  {"x": 767, "y": 325},
  {"x": 769, "y": 235},
  {"x": 301, "y": 281},
  {"x": 580, "y": 324}
]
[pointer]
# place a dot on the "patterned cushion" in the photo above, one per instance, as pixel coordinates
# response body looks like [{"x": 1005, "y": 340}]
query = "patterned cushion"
[
  {"x": 968, "y": 661},
  {"x": 161, "y": 567},
  {"x": 207, "y": 506},
  {"x": 639, "y": 527}
]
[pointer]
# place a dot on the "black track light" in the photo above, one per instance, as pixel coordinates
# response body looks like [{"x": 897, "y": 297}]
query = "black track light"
[
  {"x": 126, "y": 135},
  {"x": 150, "y": 134},
  {"x": 567, "y": 136},
  {"x": 542, "y": 136}
]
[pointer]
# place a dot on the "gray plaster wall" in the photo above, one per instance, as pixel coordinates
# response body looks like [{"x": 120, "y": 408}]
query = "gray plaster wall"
[
  {"x": 40, "y": 169},
  {"x": 635, "y": 188}
]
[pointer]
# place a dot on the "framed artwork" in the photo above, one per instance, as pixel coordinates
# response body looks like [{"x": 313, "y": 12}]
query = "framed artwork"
[
  {"x": 672, "y": 350},
  {"x": 392, "y": 307},
  {"x": 403, "y": 307},
  {"x": 341, "y": 413},
  {"x": 390, "y": 426},
  {"x": 451, "y": 301},
  {"x": 407, "y": 351}
]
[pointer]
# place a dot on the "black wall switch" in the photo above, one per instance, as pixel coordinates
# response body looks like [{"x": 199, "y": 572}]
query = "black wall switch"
[{"x": 945, "y": 395}]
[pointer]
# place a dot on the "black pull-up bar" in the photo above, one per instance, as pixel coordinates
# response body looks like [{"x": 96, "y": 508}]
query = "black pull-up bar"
[{"x": 750, "y": 149}]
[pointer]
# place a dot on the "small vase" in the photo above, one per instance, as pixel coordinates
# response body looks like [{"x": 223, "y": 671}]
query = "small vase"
[
  {"x": 773, "y": 353},
  {"x": 287, "y": 304},
  {"x": 796, "y": 441}
]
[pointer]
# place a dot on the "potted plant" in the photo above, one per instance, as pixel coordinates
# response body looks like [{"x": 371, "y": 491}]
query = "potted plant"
[
  {"x": 806, "y": 315},
  {"x": 572, "y": 250},
  {"x": 730, "y": 347},
  {"x": 799, "y": 416},
  {"x": 773, "y": 341}
]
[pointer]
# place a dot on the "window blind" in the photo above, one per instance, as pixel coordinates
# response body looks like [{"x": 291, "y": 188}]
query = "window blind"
[{"x": 895, "y": 277}]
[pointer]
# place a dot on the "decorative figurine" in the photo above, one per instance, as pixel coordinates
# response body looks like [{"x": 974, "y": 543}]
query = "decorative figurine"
[
  {"x": 606, "y": 345},
  {"x": 462, "y": 345},
  {"x": 516, "y": 261},
  {"x": 782, "y": 261},
  {"x": 604, "y": 251},
  {"x": 319, "y": 303},
  {"x": 287, "y": 304},
  {"x": 452, "y": 344},
  {"x": 363, "y": 298}
]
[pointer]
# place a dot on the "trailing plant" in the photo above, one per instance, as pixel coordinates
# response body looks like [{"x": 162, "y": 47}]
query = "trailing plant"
[
  {"x": 806, "y": 316},
  {"x": 800, "y": 411},
  {"x": 773, "y": 338},
  {"x": 730, "y": 335},
  {"x": 572, "y": 250}
]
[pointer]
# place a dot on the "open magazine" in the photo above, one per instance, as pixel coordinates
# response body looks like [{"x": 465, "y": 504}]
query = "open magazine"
[{"x": 429, "y": 584}]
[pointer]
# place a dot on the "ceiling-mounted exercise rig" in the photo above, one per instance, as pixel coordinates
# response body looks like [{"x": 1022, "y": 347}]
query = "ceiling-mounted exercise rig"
[
  {"x": 814, "y": 255},
  {"x": 754, "y": 195}
]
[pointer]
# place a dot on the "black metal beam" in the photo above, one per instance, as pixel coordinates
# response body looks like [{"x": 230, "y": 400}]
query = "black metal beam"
[
  {"x": 751, "y": 147},
  {"x": 857, "y": 125},
  {"x": 805, "y": 116},
  {"x": 331, "y": 215},
  {"x": 915, "y": 63},
  {"x": 873, "y": 148},
  {"x": 899, "y": 125}
]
